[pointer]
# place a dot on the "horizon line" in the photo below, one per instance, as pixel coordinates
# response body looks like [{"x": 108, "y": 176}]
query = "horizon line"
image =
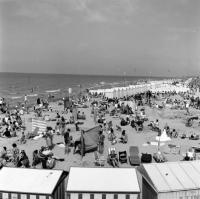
[{"x": 146, "y": 76}]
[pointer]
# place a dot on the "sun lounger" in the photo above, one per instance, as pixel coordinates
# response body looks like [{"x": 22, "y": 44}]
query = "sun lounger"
[{"x": 134, "y": 156}]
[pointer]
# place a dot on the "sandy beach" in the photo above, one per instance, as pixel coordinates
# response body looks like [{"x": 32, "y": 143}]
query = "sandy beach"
[{"x": 175, "y": 119}]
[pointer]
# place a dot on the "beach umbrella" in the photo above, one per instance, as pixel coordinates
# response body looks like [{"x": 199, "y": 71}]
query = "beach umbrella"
[{"x": 162, "y": 138}]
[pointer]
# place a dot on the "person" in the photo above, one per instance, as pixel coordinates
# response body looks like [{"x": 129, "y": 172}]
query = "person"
[
  {"x": 38, "y": 101},
  {"x": 174, "y": 133},
  {"x": 50, "y": 163},
  {"x": 62, "y": 125},
  {"x": 15, "y": 153},
  {"x": 95, "y": 114},
  {"x": 101, "y": 142},
  {"x": 186, "y": 158},
  {"x": 57, "y": 115},
  {"x": 57, "y": 128},
  {"x": 66, "y": 140},
  {"x": 112, "y": 136},
  {"x": 7, "y": 133},
  {"x": 42, "y": 157},
  {"x": 113, "y": 158},
  {"x": 187, "y": 105},
  {"x": 156, "y": 124},
  {"x": 4, "y": 153},
  {"x": 49, "y": 137},
  {"x": 23, "y": 160},
  {"x": 124, "y": 137},
  {"x": 36, "y": 158},
  {"x": 167, "y": 130},
  {"x": 76, "y": 126},
  {"x": 25, "y": 99},
  {"x": 23, "y": 139},
  {"x": 83, "y": 115}
]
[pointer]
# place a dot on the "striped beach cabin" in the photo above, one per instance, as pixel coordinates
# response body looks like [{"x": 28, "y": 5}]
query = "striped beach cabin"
[
  {"x": 22, "y": 183},
  {"x": 102, "y": 183}
]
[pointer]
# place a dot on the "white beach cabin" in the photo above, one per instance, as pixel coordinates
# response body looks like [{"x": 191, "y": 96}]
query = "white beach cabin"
[
  {"x": 102, "y": 183},
  {"x": 21, "y": 183},
  {"x": 174, "y": 180}
]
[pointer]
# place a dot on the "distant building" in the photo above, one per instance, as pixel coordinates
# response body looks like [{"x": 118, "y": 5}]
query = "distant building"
[
  {"x": 102, "y": 183},
  {"x": 173, "y": 180},
  {"x": 21, "y": 183}
]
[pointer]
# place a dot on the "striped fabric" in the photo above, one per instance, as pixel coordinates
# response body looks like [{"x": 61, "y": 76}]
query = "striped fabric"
[
  {"x": 22, "y": 196},
  {"x": 38, "y": 125}
]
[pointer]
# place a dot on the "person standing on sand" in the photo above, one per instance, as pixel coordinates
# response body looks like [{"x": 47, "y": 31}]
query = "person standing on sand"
[
  {"x": 66, "y": 140},
  {"x": 15, "y": 154},
  {"x": 187, "y": 105},
  {"x": 101, "y": 142},
  {"x": 95, "y": 114},
  {"x": 25, "y": 99}
]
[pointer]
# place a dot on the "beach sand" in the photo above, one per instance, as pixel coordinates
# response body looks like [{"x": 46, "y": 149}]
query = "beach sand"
[{"x": 174, "y": 118}]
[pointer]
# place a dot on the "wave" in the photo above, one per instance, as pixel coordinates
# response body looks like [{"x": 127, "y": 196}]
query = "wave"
[
  {"x": 16, "y": 97},
  {"x": 32, "y": 95},
  {"x": 52, "y": 91}
]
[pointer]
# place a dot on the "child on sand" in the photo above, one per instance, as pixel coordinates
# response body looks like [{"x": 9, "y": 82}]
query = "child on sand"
[{"x": 23, "y": 139}]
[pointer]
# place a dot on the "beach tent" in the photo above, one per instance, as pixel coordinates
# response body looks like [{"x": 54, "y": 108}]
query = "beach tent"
[
  {"x": 98, "y": 183},
  {"x": 89, "y": 140},
  {"x": 109, "y": 93},
  {"x": 117, "y": 92},
  {"x": 121, "y": 92},
  {"x": 126, "y": 91},
  {"x": 114, "y": 92},
  {"x": 171, "y": 180},
  {"x": 129, "y": 91},
  {"x": 23, "y": 183}
]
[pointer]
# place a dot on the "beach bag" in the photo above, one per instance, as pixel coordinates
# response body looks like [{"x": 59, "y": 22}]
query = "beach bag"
[{"x": 146, "y": 158}]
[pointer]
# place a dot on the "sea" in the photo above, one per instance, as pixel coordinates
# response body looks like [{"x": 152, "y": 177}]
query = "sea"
[{"x": 17, "y": 85}]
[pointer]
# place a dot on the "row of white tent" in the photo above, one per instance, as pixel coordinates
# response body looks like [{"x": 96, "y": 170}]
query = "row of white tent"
[{"x": 158, "y": 86}]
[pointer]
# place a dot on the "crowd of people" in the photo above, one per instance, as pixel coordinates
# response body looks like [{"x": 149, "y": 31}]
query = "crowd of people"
[{"x": 11, "y": 125}]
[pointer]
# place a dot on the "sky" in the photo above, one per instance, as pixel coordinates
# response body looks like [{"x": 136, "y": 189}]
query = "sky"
[{"x": 109, "y": 37}]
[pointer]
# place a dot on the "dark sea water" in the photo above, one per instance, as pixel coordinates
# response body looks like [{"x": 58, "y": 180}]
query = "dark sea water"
[{"x": 16, "y": 85}]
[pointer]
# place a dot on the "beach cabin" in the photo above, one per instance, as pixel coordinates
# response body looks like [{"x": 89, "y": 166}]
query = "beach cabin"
[
  {"x": 175, "y": 180},
  {"x": 102, "y": 183},
  {"x": 21, "y": 183}
]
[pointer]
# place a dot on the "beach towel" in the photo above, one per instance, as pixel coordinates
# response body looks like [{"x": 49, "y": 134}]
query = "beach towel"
[
  {"x": 38, "y": 137},
  {"x": 156, "y": 144}
]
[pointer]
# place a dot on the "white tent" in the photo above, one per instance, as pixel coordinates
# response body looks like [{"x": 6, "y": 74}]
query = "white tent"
[{"x": 163, "y": 137}]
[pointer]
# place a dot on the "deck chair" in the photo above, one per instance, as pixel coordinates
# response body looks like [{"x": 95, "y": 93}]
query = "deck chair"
[
  {"x": 99, "y": 160},
  {"x": 134, "y": 158},
  {"x": 123, "y": 157},
  {"x": 112, "y": 157}
]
